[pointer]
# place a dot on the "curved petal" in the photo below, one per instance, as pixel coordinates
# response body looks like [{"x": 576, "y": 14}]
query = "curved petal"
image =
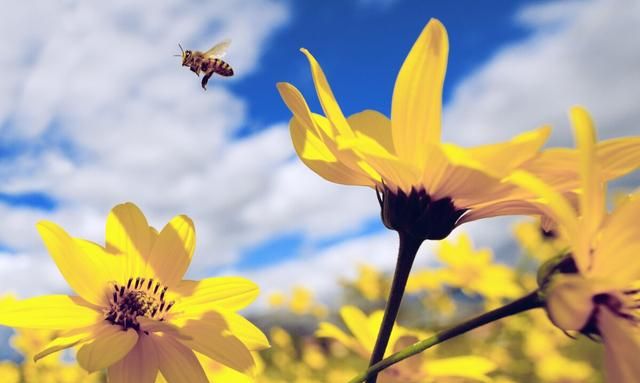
[
  {"x": 569, "y": 302},
  {"x": 248, "y": 333},
  {"x": 618, "y": 246},
  {"x": 53, "y": 312},
  {"x": 83, "y": 272},
  {"x": 128, "y": 233},
  {"x": 618, "y": 156},
  {"x": 229, "y": 293},
  {"x": 512, "y": 207},
  {"x": 139, "y": 366},
  {"x": 592, "y": 203},
  {"x": 560, "y": 209},
  {"x": 68, "y": 339},
  {"x": 375, "y": 128},
  {"x": 210, "y": 335},
  {"x": 110, "y": 345},
  {"x": 327, "y": 99},
  {"x": 501, "y": 158},
  {"x": 298, "y": 106},
  {"x": 622, "y": 345},
  {"x": 114, "y": 266},
  {"x": 356, "y": 322},
  {"x": 178, "y": 364},
  {"x": 319, "y": 158},
  {"x": 417, "y": 95},
  {"x": 172, "y": 251}
]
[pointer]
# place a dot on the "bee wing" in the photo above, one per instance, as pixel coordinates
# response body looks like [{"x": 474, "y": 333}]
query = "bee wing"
[{"x": 218, "y": 50}]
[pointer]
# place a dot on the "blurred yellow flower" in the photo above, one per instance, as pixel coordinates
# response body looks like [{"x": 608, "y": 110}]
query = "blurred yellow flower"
[
  {"x": 9, "y": 372},
  {"x": 364, "y": 329},
  {"x": 424, "y": 185},
  {"x": 474, "y": 271},
  {"x": 370, "y": 283},
  {"x": 133, "y": 313},
  {"x": 536, "y": 242},
  {"x": 596, "y": 290}
]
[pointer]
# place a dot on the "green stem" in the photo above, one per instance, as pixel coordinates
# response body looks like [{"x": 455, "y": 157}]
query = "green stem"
[
  {"x": 525, "y": 303},
  {"x": 406, "y": 254}
]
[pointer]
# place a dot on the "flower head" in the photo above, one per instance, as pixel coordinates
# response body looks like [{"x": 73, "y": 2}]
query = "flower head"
[
  {"x": 425, "y": 185},
  {"x": 595, "y": 290},
  {"x": 133, "y": 312}
]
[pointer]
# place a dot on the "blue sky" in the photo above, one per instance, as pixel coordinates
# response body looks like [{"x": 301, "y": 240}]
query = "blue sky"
[
  {"x": 361, "y": 47},
  {"x": 94, "y": 111}
]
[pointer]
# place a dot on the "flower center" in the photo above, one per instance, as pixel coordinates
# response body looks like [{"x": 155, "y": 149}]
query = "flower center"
[
  {"x": 139, "y": 298},
  {"x": 417, "y": 214}
]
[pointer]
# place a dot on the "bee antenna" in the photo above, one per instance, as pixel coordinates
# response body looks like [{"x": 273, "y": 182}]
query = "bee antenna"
[{"x": 181, "y": 50}]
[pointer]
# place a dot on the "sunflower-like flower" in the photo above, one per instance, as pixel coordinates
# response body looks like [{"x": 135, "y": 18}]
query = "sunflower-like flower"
[
  {"x": 424, "y": 185},
  {"x": 133, "y": 313},
  {"x": 595, "y": 289}
]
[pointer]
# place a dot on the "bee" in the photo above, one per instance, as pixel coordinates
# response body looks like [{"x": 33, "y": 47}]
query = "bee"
[{"x": 208, "y": 62}]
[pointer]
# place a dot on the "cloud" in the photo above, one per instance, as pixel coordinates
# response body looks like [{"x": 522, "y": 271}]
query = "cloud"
[
  {"x": 577, "y": 54},
  {"x": 97, "y": 111}
]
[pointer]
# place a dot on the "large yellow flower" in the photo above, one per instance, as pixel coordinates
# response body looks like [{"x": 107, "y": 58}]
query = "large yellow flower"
[
  {"x": 595, "y": 290},
  {"x": 133, "y": 312},
  {"x": 425, "y": 185}
]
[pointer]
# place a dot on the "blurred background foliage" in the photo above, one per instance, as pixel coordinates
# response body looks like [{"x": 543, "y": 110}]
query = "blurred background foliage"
[{"x": 315, "y": 343}]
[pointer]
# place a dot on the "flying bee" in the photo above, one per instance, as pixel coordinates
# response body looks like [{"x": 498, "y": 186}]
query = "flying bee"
[{"x": 209, "y": 62}]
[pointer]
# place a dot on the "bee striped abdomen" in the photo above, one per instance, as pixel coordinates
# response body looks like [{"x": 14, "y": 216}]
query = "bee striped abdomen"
[{"x": 222, "y": 68}]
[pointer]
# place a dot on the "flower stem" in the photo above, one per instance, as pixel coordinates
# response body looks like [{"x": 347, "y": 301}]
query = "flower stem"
[
  {"x": 525, "y": 303},
  {"x": 406, "y": 254}
]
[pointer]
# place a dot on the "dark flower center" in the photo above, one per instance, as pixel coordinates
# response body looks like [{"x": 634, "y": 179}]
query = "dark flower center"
[
  {"x": 141, "y": 297},
  {"x": 417, "y": 214}
]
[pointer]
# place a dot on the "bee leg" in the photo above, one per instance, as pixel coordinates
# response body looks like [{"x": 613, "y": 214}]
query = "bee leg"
[
  {"x": 195, "y": 70},
  {"x": 205, "y": 80}
]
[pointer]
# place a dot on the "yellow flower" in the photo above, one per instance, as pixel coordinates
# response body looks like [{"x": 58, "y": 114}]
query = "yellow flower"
[
  {"x": 537, "y": 242},
  {"x": 474, "y": 271},
  {"x": 595, "y": 290},
  {"x": 424, "y": 184},
  {"x": 9, "y": 372},
  {"x": 133, "y": 312},
  {"x": 364, "y": 330}
]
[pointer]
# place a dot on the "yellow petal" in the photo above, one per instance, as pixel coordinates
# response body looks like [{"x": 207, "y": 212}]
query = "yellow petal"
[
  {"x": 128, "y": 234},
  {"x": 84, "y": 272},
  {"x": 230, "y": 293},
  {"x": 114, "y": 266},
  {"x": 53, "y": 312},
  {"x": 591, "y": 200},
  {"x": 212, "y": 336},
  {"x": 245, "y": 331},
  {"x": 331, "y": 331},
  {"x": 374, "y": 128},
  {"x": 355, "y": 320},
  {"x": 68, "y": 339},
  {"x": 569, "y": 301},
  {"x": 327, "y": 99},
  {"x": 622, "y": 345},
  {"x": 501, "y": 158},
  {"x": 298, "y": 106},
  {"x": 513, "y": 207},
  {"x": 110, "y": 345},
  {"x": 319, "y": 158},
  {"x": 417, "y": 96},
  {"x": 139, "y": 366},
  {"x": 618, "y": 156},
  {"x": 178, "y": 364},
  {"x": 471, "y": 367},
  {"x": 561, "y": 211},
  {"x": 172, "y": 251},
  {"x": 617, "y": 249}
]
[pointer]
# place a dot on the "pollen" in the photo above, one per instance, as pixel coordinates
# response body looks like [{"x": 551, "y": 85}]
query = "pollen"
[{"x": 140, "y": 297}]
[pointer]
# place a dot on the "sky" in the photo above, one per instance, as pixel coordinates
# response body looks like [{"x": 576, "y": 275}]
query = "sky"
[{"x": 95, "y": 111}]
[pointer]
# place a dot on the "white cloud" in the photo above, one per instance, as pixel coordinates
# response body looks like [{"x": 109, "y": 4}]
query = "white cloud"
[{"x": 578, "y": 53}]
